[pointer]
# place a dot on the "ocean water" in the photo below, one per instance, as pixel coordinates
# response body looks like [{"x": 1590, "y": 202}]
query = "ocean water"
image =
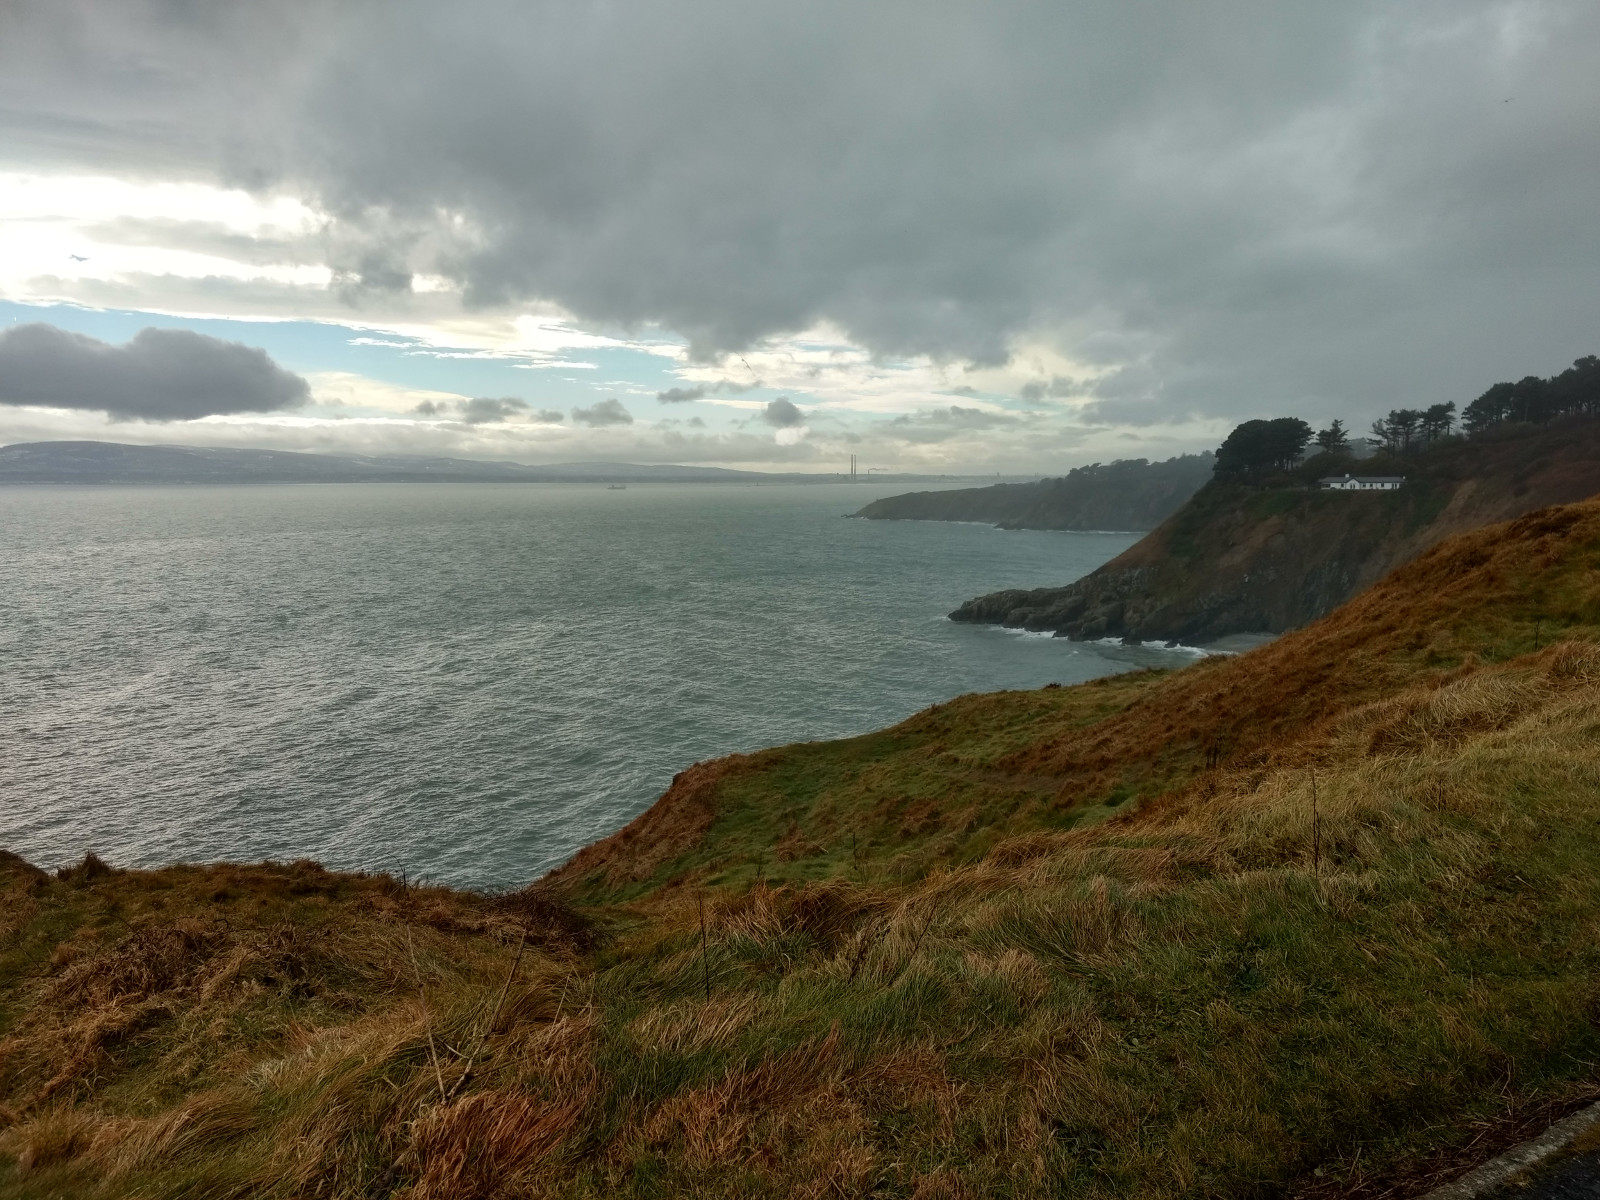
[{"x": 465, "y": 683}]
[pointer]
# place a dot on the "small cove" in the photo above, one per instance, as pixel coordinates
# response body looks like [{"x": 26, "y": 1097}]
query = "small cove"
[{"x": 465, "y": 682}]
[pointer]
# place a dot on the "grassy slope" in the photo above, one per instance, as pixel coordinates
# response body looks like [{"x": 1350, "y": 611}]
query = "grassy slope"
[
  {"x": 947, "y": 784},
  {"x": 1329, "y": 907}
]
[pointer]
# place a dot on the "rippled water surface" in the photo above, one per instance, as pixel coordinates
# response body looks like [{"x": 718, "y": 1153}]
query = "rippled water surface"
[{"x": 463, "y": 682}]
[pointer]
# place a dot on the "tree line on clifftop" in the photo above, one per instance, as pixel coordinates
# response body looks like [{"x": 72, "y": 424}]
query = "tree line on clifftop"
[{"x": 1274, "y": 451}]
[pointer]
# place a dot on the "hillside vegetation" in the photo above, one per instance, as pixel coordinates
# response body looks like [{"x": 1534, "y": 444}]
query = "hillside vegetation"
[
  {"x": 1319, "y": 920},
  {"x": 1127, "y": 494},
  {"x": 1243, "y": 558}
]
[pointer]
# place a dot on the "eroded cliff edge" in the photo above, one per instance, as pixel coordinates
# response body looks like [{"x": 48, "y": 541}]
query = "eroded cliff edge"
[{"x": 1240, "y": 559}]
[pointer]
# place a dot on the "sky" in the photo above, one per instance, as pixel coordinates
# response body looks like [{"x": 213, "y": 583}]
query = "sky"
[{"x": 943, "y": 237}]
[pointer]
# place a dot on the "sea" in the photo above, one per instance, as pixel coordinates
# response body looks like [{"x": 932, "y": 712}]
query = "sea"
[{"x": 465, "y": 683}]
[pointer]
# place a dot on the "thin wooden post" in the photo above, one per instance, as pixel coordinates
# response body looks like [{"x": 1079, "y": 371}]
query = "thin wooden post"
[
  {"x": 1316, "y": 834},
  {"x": 427, "y": 1016},
  {"x": 705, "y": 962},
  {"x": 466, "y": 1072},
  {"x": 916, "y": 946}
]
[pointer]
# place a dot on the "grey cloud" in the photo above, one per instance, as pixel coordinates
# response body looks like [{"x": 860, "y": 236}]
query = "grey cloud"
[
  {"x": 1057, "y": 387},
  {"x": 374, "y": 272},
  {"x": 206, "y": 237},
  {"x": 487, "y": 410},
  {"x": 160, "y": 375},
  {"x": 482, "y": 410},
  {"x": 679, "y": 395},
  {"x": 246, "y": 299},
  {"x": 722, "y": 387},
  {"x": 942, "y": 424},
  {"x": 782, "y": 413},
  {"x": 1317, "y": 206},
  {"x": 605, "y": 412},
  {"x": 1132, "y": 395},
  {"x": 958, "y": 417}
]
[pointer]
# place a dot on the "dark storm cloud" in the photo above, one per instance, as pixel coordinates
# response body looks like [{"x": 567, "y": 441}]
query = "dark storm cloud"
[
  {"x": 1307, "y": 207},
  {"x": 606, "y": 412},
  {"x": 161, "y": 375},
  {"x": 782, "y": 413}
]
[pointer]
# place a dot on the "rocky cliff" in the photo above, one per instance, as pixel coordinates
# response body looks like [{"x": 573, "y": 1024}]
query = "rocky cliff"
[{"x": 1240, "y": 559}]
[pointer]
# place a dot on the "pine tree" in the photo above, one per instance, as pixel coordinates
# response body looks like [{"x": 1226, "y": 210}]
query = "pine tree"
[{"x": 1333, "y": 439}]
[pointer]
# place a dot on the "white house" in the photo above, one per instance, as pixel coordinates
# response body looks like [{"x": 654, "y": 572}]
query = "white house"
[{"x": 1361, "y": 483}]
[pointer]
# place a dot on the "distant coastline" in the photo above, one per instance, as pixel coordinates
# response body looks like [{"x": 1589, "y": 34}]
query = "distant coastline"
[
  {"x": 1121, "y": 497},
  {"x": 89, "y": 462}
]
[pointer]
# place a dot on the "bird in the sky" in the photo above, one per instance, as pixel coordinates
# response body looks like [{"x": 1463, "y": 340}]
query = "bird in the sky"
[{"x": 77, "y": 258}]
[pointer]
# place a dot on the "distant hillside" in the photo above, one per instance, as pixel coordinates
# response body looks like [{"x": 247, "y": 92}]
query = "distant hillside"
[
  {"x": 111, "y": 462},
  {"x": 1127, "y": 494},
  {"x": 1239, "y": 558}
]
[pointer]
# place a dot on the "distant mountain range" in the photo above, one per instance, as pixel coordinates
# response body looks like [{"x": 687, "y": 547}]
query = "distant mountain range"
[{"x": 111, "y": 462}]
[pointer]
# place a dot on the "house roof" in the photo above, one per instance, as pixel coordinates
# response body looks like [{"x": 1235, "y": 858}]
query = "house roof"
[{"x": 1362, "y": 479}]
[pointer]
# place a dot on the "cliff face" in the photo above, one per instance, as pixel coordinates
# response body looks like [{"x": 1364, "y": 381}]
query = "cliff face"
[
  {"x": 1131, "y": 494},
  {"x": 1237, "y": 559}
]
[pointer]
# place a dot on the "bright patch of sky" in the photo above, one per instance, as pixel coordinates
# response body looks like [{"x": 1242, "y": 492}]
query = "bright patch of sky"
[{"x": 395, "y": 371}]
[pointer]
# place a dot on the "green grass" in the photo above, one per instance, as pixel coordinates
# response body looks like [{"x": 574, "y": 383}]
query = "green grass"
[{"x": 889, "y": 806}]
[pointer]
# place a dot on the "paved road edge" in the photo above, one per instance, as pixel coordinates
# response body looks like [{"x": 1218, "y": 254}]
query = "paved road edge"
[{"x": 1500, "y": 1171}]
